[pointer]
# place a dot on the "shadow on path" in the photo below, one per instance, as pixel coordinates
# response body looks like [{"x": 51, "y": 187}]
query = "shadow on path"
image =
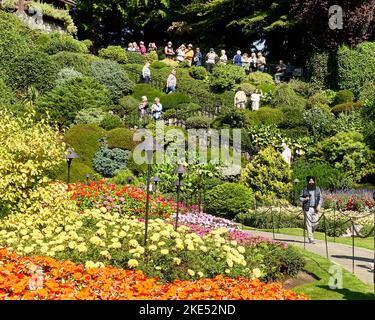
[
  {"x": 350, "y": 258},
  {"x": 351, "y": 295}
]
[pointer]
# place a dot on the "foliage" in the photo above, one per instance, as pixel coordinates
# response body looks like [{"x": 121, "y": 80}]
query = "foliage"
[
  {"x": 76, "y": 94},
  {"x": 126, "y": 105},
  {"x": 347, "y": 152},
  {"x": 268, "y": 175},
  {"x": 111, "y": 121},
  {"x": 367, "y": 93},
  {"x": 322, "y": 68},
  {"x": 247, "y": 87},
  {"x": 344, "y": 96},
  {"x": 198, "y": 122},
  {"x": 349, "y": 200},
  {"x": 121, "y": 138},
  {"x": 108, "y": 161},
  {"x": 80, "y": 62},
  {"x": 148, "y": 91},
  {"x": 284, "y": 96},
  {"x": 173, "y": 100},
  {"x": 231, "y": 118},
  {"x": 260, "y": 78},
  {"x": 135, "y": 58},
  {"x": 352, "y": 121},
  {"x": 264, "y": 116},
  {"x": 368, "y": 114},
  {"x": 226, "y": 77},
  {"x": 356, "y": 66},
  {"x": 90, "y": 116},
  {"x": 262, "y": 136},
  {"x": 318, "y": 99},
  {"x": 121, "y": 178},
  {"x": 152, "y": 56},
  {"x": 305, "y": 89},
  {"x": 228, "y": 199},
  {"x": 55, "y": 42},
  {"x": 112, "y": 75},
  {"x": 115, "y": 53},
  {"x": 319, "y": 120},
  {"x": 6, "y": 95},
  {"x": 347, "y": 107},
  {"x": 32, "y": 68},
  {"x": 199, "y": 73},
  {"x": 292, "y": 117},
  {"x": 158, "y": 65},
  {"x": 29, "y": 151},
  {"x": 66, "y": 74}
]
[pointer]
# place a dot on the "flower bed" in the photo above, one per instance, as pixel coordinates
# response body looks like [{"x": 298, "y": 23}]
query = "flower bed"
[
  {"x": 349, "y": 200},
  {"x": 65, "y": 280}
]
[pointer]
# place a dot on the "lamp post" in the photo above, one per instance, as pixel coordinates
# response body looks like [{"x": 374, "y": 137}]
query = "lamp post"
[
  {"x": 130, "y": 179},
  {"x": 70, "y": 156},
  {"x": 180, "y": 170},
  {"x": 150, "y": 145},
  {"x": 87, "y": 176},
  {"x": 295, "y": 181},
  {"x": 155, "y": 180}
]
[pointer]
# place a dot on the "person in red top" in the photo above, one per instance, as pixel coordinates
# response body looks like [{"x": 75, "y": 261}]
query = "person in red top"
[{"x": 142, "y": 48}]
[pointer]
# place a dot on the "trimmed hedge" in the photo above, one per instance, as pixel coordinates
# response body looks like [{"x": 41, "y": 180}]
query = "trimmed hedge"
[
  {"x": 347, "y": 107},
  {"x": 121, "y": 138},
  {"x": 135, "y": 58},
  {"x": 226, "y": 77},
  {"x": 115, "y": 53},
  {"x": 173, "y": 100},
  {"x": 79, "y": 61},
  {"x": 344, "y": 96},
  {"x": 260, "y": 78},
  {"x": 111, "y": 121},
  {"x": 53, "y": 43},
  {"x": 198, "y": 122},
  {"x": 264, "y": 116}
]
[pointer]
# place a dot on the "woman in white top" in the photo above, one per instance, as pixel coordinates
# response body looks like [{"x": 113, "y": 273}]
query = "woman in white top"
[
  {"x": 245, "y": 60},
  {"x": 180, "y": 53},
  {"x": 156, "y": 109},
  {"x": 255, "y": 98},
  {"x": 287, "y": 153},
  {"x": 223, "y": 58},
  {"x": 210, "y": 60},
  {"x": 253, "y": 62}
]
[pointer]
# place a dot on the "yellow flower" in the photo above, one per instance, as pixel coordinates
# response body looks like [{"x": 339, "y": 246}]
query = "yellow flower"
[
  {"x": 158, "y": 268},
  {"x": 95, "y": 240},
  {"x": 72, "y": 245},
  {"x": 81, "y": 248},
  {"x": 101, "y": 232},
  {"x": 90, "y": 264},
  {"x": 229, "y": 263},
  {"x": 103, "y": 209},
  {"x": 177, "y": 261},
  {"x": 59, "y": 248},
  {"x": 241, "y": 249},
  {"x": 132, "y": 263},
  {"x": 164, "y": 251},
  {"x": 257, "y": 273},
  {"x": 28, "y": 249},
  {"x": 133, "y": 243},
  {"x": 180, "y": 246},
  {"x": 227, "y": 270},
  {"x": 204, "y": 248},
  {"x": 200, "y": 274},
  {"x": 141, "y": 250},
  {"x": 191, "y": 272},
  {"x": 105, "y": 254},
  {"x": 116, "y": 245},
  {"x": 152, "y": 247},
  {"x": 233, "y": 242},
  {"x": 43, "y": 249},
  {"x": 161, "y": 243},
  {"x": 155, "y": 237},
  {"x": 99, "y": 265},
  {"x": 115, "y": 240},
  {"x": 190, "y": 247}
]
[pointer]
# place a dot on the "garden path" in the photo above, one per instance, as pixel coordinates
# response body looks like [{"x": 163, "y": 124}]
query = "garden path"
[{"x": 339, "y": 253}]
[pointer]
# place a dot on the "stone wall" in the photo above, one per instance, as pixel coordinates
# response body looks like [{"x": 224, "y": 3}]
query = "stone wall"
[{"x": 36, "y": 20}]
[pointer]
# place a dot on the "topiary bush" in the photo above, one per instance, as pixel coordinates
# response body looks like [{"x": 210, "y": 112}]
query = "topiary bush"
[
  {"x": 284, "y": 96},
  {"x": 32, "y": 68},
  {"x": 121, "y": 138},
  {"x": 198, "y": 122},
  {"x": 115, "y": 53},
  {"x": 264, "y": 116},
  {"x": 112, "y": 75},
  {"x": 322, "y": 69},
  {"x": 80, "y": 62},
  {"x": 367, "y": 93},
  {"x": 347, "y": 107},
  {"x": 158, "y": 65},
  {"x": 259, "y": 78},
  {"x": 318, "y": 99},
  {"x": 305, "y": 89},
  {"x": 90, "y": 116},
  {"x": 228, "y": 199},
  {"x": 110, "y": 122},
  {"x": 268, "y": 175},
  {"x": 247, "y": 87},
  {"x": 226, "y": 77},
  {"x": 199, "y": 73},
  {"x": 64, "y": 102},
  {"x": 107, "y": 161},
  {"x": 152, "y": 57},
  {"x": 319, "y": 120},
  {"x": 126, "y": 106},
  {"x": 344, "y": 96},
  {"x": 53, "y": 43},
  {"x": 66, "y": 74},
  {"x": 148, "y": 91},
  {"x": 292, "y": 117},
  {"x": 173, "y": 100},
  {"x": 135, "y": 58}
]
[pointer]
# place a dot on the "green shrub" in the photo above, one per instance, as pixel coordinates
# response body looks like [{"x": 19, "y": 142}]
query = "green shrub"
[
  {"x": 199, "y": 73},
  {"x": 198, "y": 122},
  {"x": 85, "y": 140},
  {"x": 76, "y": 94},
  {"x": 264, "y": 116},
  {"x": 126, "y": 106},
  {"x": 347, "y": 107},
  {"x": 115, "y": 53},
  {"x": 112, "y": 75},
  {"x": 293, "y": 117},
  {"x": 225, "y": 77},
  {"x": 228, "y": 199},
  {"x": 152, "y": 57},
  {"x": 173, "y": 100},
  {"x": 284, "y": 96},
  {"x": 305, "y": 89},
  {"x": 134, "y": 72},
  {"x": 6, "y": 95},
  {"x": 66, "y": 74},
  {"x": 368, "y": 116},
  {"x": 352, "y": 121},
  {"x": 121, "y": 138},
  {"x": 121, "y": 178},
  {"x": 267, "y": 88},
  {"x": 107, "y": 161},
  {"x": 318, "y": 99},
  {"x": 344, "y": 96},
  {"x": 33, "y": 68},
  {"x": 158, "y": 65},
  {"x": 367, "y": 93},
  {"x": 91, "y": 115},
  {"x": 247, "y": 87},
  {"x": 268, "y": 175},
  {"x": 319, "y": 120},
  {"x": 111, "y": 121},
  {"x": 136, "y": 58},
  {"x": 347, "y": 152},
  {"x": 148, "y": 91},
  {"x": 78, "y": 171},
  {"x": 80, "y": 62},
  {"x": 230, "y": 117},
  {"x": 260, "y": 78},
  {"x": 356, "y": 66},
  {"x": 53, "y": 43},
  {"x": 322, "y": 69}
]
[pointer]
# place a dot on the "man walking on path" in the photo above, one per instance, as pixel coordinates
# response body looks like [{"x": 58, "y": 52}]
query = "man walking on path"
[{"x": 312, "y": 200}]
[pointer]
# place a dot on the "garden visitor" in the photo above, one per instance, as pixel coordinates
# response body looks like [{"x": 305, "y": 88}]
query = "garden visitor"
[
  {"x": 143, "y": 106},
  {"x": 312, "y": 200},
  {"x": 152, "y": 47},
  {"x": 146, "y": 73},
  {"x": 280, "y": 71},
  {"x": 237, "y": 59},
  {"x": 253, "y": 62},
  {"x": 171, "y": 82},
  {"x": 287, "y": 153},
  {"x": 136, "y": 48},
  {"x": 189, "y": 54},
  {"x": 240, "y": 99},
  {"x": 261, "y": 62},
  {"x": 180, "y": 53},
  {"x": 245, "y": 62},
  {"x": 156, "y": 109},
  {"x": 223, "y": 58},
  {"x": 168, "y": 51},
  {"x": 255, "y": 98},
  {"x": 142, "y": 48},
  {"x": 130, "y": 47},
  {"x": 210, "y": 60},
  {"x": 198, "y": 58}
]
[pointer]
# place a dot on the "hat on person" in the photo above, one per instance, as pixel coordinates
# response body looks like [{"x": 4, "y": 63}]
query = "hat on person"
[
  {"x": 310, "y": 177},
  {"x": 238, "y": 51},
  {"x": 212, "y": 49},
  {"x": 190, "y": 45}
]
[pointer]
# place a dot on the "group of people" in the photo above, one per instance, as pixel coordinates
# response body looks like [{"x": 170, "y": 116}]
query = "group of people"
[
  {"x": 155, "y": 111},
  {"x": 142, "y": 49},
  {"x": 240, "y": 99}
]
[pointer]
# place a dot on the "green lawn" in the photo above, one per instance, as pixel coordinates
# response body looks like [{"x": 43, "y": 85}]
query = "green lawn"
[
  {"x": 353, "y": 288},
  {"x": 367, "y": 243}
]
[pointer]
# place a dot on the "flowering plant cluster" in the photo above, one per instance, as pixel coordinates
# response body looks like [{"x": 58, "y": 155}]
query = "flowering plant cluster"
[
  {"x": 64, "y": 280},
  {"x": 349, "y": 200},
  {"x": 110, "y": 198}
]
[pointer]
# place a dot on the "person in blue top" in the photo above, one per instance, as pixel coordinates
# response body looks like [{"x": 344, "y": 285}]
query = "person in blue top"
[
  {"x": 312, "y": 200},
  {"x": 237, "y": 59},
  {"x": 197, "y": 60}
]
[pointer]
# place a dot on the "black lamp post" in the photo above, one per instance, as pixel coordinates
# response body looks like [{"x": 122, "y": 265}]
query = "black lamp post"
[
  {"x": 155, "y": 180},
  {"x": 180, "y": 170},
  {"x": 150, "y": 145},
  {"x": 70, "y": 156},
  {"x": 87, "y": 176},
  {"x": 130, "y": 179}
]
